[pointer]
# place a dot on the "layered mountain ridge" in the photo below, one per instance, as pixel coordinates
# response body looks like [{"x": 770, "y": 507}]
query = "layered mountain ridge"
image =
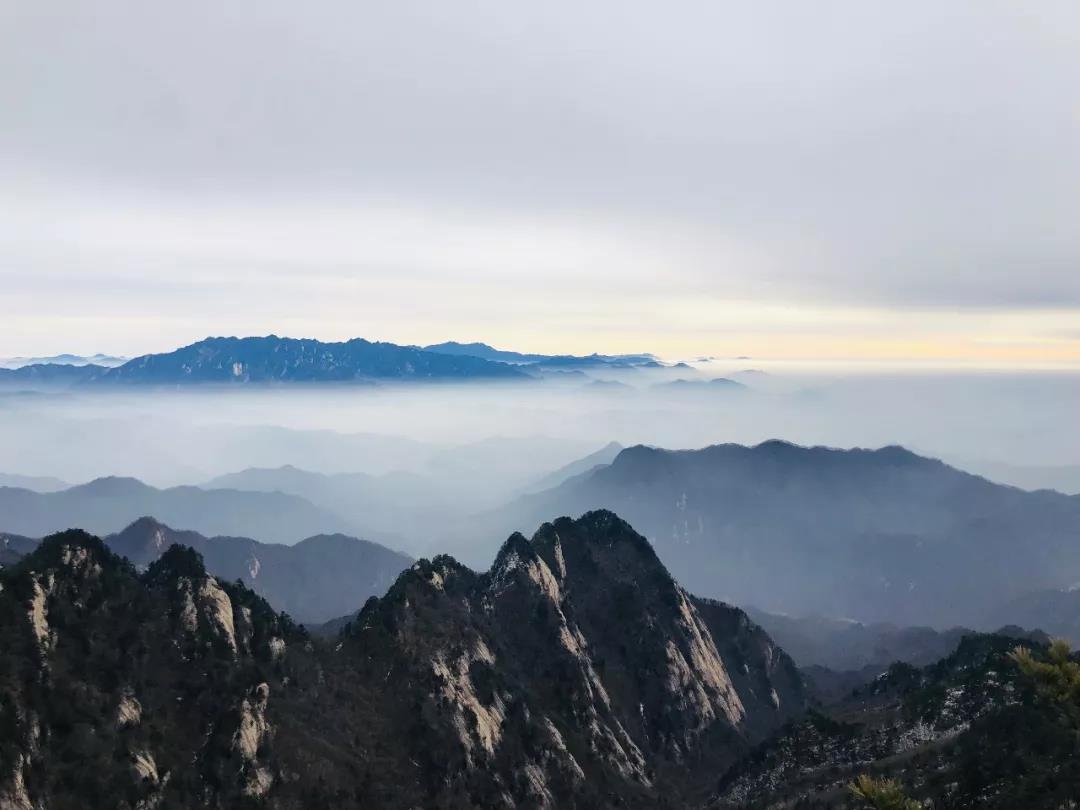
[
  {"x": 129, "y": 691},
  {"x": 314, "y": 580},
  {"x": 106, "y": 505},
  {"x": 273, "y": 359},
  {"x": 877, "y": 535}
]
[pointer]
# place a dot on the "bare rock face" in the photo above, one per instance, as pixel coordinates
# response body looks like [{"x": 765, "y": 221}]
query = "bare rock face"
[
  {"x": 128, "y": 711},
  {"x": 575, "y": 673},
  {"x": 13, "y": 794},
  {"x": 128, "y": 690},
  {"x": 253, "y": 731}
]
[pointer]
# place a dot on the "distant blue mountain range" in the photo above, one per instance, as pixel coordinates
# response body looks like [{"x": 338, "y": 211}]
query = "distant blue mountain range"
[
  {"x": 483, "y": 350},
  {"x": 273, "y": 359}
]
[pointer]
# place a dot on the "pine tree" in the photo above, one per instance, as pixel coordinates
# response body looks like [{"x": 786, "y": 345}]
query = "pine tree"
[{"x": 881, "y": 794}]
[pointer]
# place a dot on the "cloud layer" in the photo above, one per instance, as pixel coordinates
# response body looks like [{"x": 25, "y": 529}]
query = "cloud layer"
[{"x": 764, "y": 178}]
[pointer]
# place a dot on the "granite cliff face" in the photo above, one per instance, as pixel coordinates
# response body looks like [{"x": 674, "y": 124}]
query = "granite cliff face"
[
  {"x": 119, "y": 690},
  {"x": 574, "y": 673}
]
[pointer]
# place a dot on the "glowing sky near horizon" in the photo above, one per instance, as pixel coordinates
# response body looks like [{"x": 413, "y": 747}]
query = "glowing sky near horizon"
[{"x": 787, "y": 181}]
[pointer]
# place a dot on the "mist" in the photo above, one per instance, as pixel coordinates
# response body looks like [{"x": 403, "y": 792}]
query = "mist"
[{"x": 430, "y": 457}]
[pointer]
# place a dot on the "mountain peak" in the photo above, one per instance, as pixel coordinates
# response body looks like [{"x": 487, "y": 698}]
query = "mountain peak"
[
  {"x": 177, "y": 562},
  {"x": 73, "y": 550},
  {"x": 112, "y": 486}
]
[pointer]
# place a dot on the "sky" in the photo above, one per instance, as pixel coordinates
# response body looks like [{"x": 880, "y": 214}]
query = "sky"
[{"x": 835, "y": 181}]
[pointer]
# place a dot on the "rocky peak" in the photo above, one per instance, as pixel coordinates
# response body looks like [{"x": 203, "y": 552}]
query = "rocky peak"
[
  {"x": 581, "y": 642},
  {"x": 158, "y": 685}
]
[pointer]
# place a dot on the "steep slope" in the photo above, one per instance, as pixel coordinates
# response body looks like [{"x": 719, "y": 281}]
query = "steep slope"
[
  {"x": 127, "y": 691},
  {"x": 284, "y": 360},
  {"x": 605, "y": 455},
  {"x": 314, "y": 580},
  {"x": 574, "y": 673},
  {"x": 968, "y": 731},
  {"x": 878, "y": 535},
  {"x": 108, "y": 504}
]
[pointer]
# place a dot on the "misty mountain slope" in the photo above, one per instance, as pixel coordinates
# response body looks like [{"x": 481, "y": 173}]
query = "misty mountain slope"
[
  {"x": 314, "y": 580},
  {"x": 49, "y": 374},
  {"x": 967, "y": 731},
  {"x": 402, "y": 507},
  {"x": 483, "y": 351},
  {"x": 879, "y": 535},
  {"x": 1057, "y": 611},
  {"x": 109, "y": 504},
  {"x": 103, "y": 360},
  {"x": 605, "y": 455},
  {"x": 14, "y": 547},
  {"x": 574, "y": 673},
  {"x": 541, "y": 361},
  {"x": 37, "y": 483},
  {"x": 415, "y": 509},
  {"x": 282, "y": 360},
  {"x": 717, "y": 385},
  {"x": 847, "y": 645},
  {"x": 134, "y": 691}
]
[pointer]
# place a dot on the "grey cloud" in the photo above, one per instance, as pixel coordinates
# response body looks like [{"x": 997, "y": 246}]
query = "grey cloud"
[{"x": 911, "y": 155}]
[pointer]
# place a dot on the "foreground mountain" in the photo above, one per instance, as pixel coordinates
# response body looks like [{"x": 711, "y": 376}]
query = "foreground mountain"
[
  {"x": 878, "y": 535},
  {"x": 109, "y": 504},
  {"x": 574, "y": 674},
  {"x": 128, "y": 691},
  {"x": 972, "y": 730}
]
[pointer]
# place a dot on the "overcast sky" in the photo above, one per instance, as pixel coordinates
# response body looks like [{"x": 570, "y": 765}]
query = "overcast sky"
[{"x": 782, "y": 180}]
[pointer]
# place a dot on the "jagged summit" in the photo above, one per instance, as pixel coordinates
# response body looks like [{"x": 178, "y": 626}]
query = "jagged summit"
[
  {"x": 131, "y": 691},
  {"x": 71, "y": 553},
  {"x": 177, "y": 562},
  {"x": 579, "y": 640}
]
